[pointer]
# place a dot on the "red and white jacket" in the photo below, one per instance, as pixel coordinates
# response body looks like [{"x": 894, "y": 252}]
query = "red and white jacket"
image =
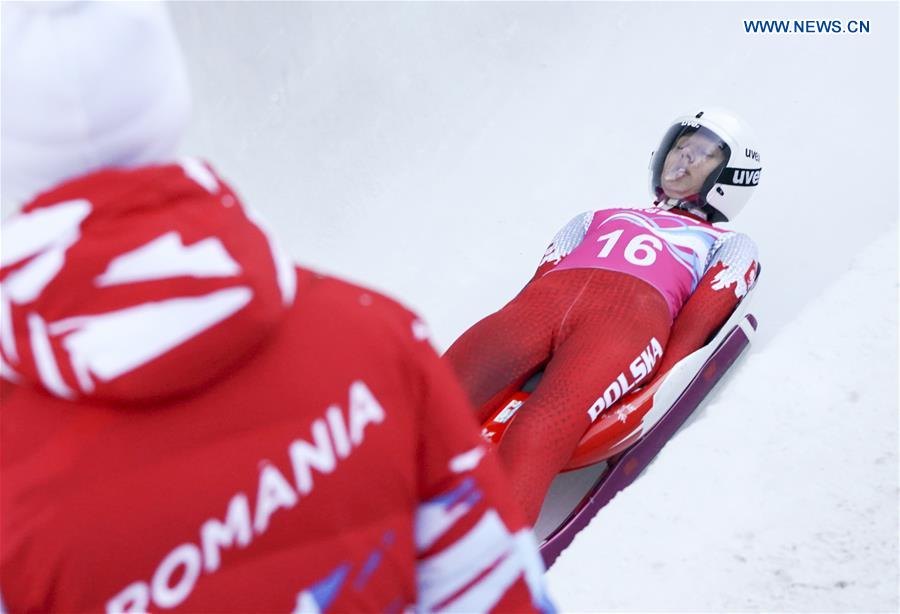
[{"x": 191, "y": 423}]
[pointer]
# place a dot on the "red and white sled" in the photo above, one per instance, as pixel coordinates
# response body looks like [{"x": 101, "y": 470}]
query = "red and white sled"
[{"x": 627, "y": 436}]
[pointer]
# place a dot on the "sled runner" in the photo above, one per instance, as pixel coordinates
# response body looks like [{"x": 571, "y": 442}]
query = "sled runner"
[{"x": 628, "y": 435}]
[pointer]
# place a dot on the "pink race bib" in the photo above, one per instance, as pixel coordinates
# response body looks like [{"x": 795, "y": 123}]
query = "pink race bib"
[{"x": 667, "y": 250}]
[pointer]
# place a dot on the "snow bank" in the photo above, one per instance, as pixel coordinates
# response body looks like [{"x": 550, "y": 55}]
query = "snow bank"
[{"x": 730, "y": 516}]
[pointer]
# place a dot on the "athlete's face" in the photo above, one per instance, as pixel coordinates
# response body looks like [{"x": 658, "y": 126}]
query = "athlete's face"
[{"x": 688, "y": 164}]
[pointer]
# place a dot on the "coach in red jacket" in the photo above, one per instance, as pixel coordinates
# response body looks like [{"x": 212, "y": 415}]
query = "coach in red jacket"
[{"x": 188, "y": 421}]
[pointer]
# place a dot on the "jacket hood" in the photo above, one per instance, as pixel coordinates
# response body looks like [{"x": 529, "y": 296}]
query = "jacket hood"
[
  {"x": 86, "y": 85},
  {"x": 137, "y": 285}
]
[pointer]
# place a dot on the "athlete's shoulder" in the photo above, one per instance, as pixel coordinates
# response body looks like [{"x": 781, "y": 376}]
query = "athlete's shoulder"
[
  {"x": 582, "y": 220},
  {"x": 736, "y": 235},
  {"x": 732, "y": 244}
]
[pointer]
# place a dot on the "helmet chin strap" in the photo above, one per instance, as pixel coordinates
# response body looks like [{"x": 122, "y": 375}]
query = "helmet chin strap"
[{"x": 675, "y": 203}]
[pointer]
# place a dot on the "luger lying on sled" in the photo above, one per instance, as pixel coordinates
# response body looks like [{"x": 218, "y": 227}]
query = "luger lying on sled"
[{"x": 628, "y": 435}]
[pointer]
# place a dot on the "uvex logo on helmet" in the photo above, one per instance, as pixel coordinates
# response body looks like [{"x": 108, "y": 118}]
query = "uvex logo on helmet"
[{"x": 741, "y": 176}]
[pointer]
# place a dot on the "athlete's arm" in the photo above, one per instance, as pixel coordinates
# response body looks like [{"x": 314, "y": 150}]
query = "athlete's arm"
[{"x": 731, "y": 272}]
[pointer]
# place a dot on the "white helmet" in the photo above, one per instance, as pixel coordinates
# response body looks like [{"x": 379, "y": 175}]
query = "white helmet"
[{"x": 729, "y": 185}]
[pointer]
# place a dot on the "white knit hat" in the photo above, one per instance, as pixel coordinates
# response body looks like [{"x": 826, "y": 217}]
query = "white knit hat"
[{"x": 86, "y": 85}]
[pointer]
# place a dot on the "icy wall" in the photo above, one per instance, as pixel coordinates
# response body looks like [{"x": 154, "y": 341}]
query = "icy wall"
[{"x": 433, "y": 149}]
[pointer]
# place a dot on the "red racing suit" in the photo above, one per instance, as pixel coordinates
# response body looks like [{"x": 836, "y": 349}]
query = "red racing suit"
[
  {"x": 617, "y": 288},
  {"x": 191, "y": 423}
]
